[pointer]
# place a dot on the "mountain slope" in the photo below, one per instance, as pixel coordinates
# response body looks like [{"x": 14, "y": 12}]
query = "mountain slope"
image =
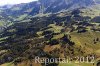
[
  {"x": 56, "y": 35},
  {"x": 14, "y": 13},
  {"x": 47, "y": 6},
  {"x": 49, "y": 29}
]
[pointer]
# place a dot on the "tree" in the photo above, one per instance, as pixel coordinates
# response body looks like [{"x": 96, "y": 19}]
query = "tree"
[
  {"x": 97, "y": 39},
  {"x": 53, "y": 42},
  {"x": 66, "y": 40},
  {"x": 47, "y": 32}
]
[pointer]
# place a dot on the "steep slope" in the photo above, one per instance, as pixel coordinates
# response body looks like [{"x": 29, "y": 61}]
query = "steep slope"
[
  {"x": 49, "y": 29},
  {"x": 47, "y": 6},
  {"x": 19, "y": 12},
  {"x": 56, "y": 35}
]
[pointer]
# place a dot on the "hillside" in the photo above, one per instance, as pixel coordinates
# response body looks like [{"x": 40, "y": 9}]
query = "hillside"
[
  {"x": 56, "y": 35},
  {"x": 10, "y": 14},
  {"x": 19, "y": 12},
  {"x": 68, "y": 29}
]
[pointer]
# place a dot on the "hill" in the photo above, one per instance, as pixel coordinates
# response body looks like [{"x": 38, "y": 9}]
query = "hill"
[
  {"x": 56, "y": 35},
  {"x": 50, "y": 29}
]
